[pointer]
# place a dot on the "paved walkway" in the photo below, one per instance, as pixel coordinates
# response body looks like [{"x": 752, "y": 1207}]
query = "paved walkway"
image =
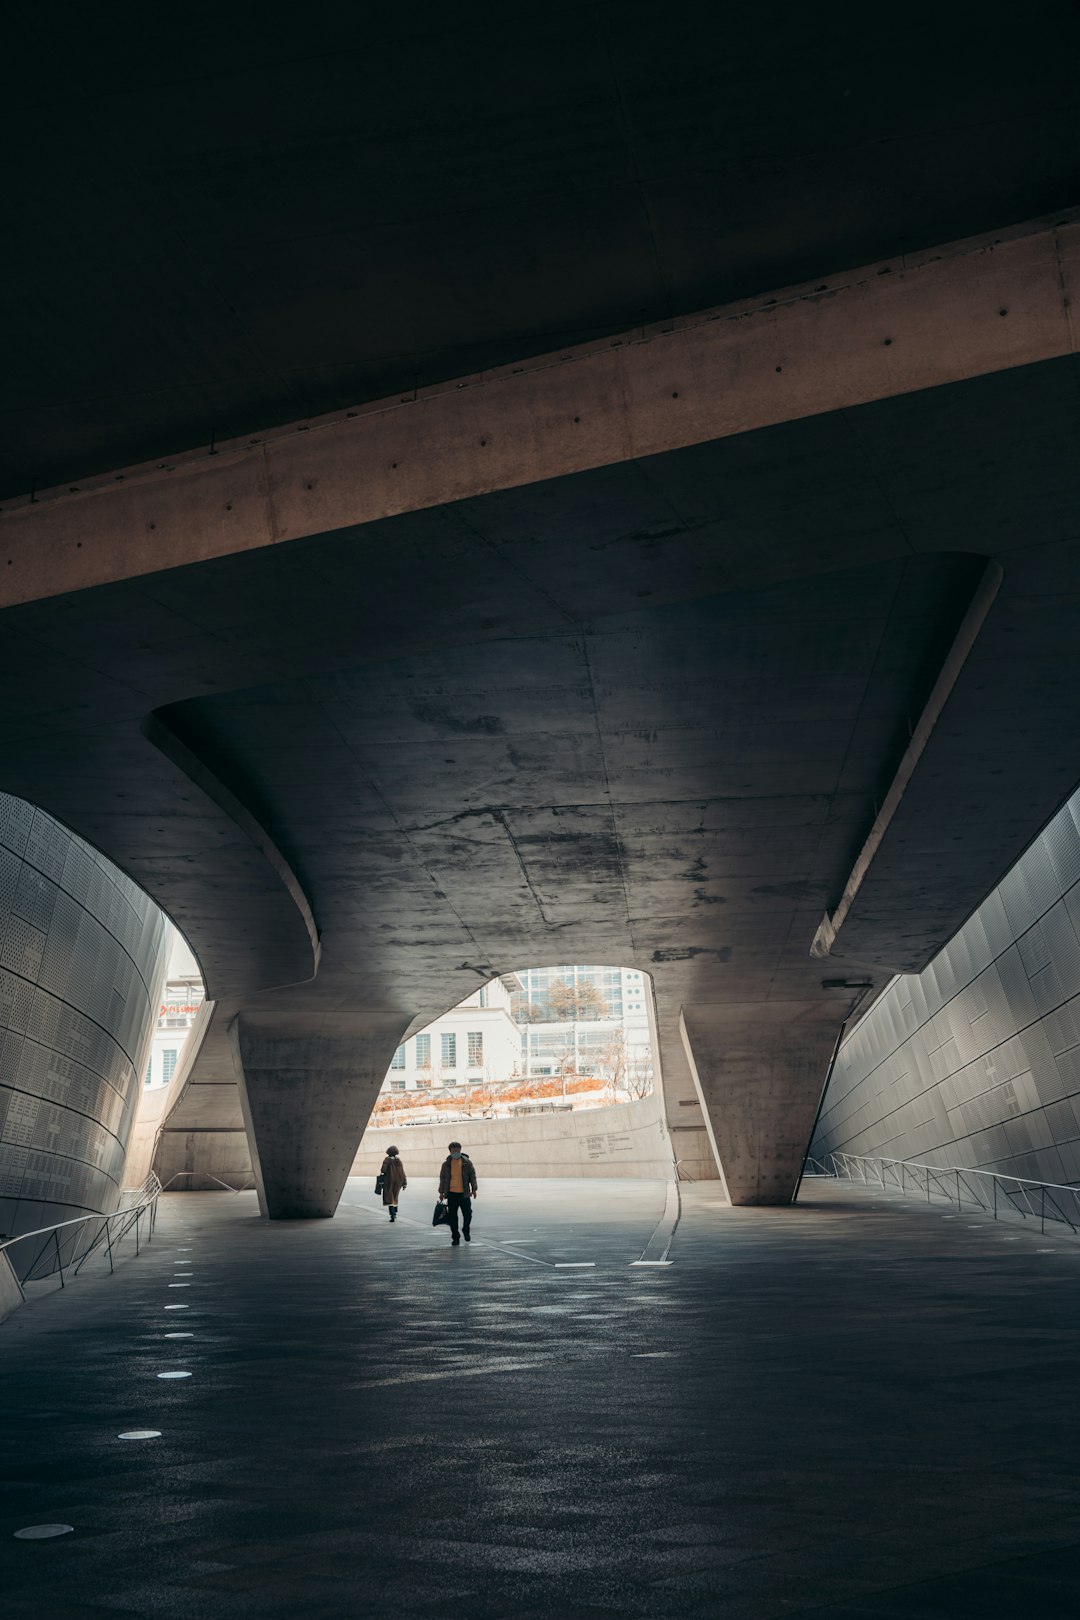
[{"x": 859, "y": 1408}]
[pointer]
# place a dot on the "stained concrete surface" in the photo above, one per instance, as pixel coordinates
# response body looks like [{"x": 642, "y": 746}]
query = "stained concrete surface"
[{"x": 860, "y": 1407}]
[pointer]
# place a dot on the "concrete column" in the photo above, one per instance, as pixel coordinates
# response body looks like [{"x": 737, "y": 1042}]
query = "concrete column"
[
  {"x": 691, "y": 1139},
  {"x": 306, "y": 1094},
  {"x": 759, "y": 1070}
]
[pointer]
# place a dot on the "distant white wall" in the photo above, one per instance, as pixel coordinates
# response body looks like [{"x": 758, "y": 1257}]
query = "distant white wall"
[{"x": 630, "y": 1139}]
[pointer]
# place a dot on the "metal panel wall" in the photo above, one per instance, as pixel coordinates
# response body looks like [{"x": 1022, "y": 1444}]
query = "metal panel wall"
[
  {"x": 83, "y": 954},
  {"x": 976, "y": 1060}
]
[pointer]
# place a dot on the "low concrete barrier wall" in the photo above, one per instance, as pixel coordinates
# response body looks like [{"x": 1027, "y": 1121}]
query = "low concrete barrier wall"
[{"x": 630, "y": 1139}]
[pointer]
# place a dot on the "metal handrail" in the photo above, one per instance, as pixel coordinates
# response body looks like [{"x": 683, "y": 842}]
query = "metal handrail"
[
  {"x": 129, "y": 1214},
  {"x": 228, "y": 1186},
  {"x": 1004, "y": 1194}
]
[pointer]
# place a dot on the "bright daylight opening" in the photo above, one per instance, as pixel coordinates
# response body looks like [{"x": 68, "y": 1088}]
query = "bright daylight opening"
[{"x": 540, "y": 1041}]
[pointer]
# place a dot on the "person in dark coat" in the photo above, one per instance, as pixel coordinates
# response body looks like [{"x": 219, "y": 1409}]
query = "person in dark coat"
[
  {"x": 457, "y": 1185},
  {"x": 394, "y": 1182}
]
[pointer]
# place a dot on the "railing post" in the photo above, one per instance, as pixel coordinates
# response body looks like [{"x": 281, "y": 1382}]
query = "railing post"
[
  {"x": 59, "y": 1258},
  {"x": 1042, "y": 1213},
  {"x": 108, "y": 1244},
  {"x": 138, "y": 1212},
  {"x": 959, "y": 1202},
  {"x": 995, "y": 1198}
]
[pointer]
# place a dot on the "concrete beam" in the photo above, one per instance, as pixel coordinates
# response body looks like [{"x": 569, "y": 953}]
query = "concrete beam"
[
  {"x": 759, "y": 1071},
  {"x": 982, "y": 601},
  {"x": 987, "y": 304},
  {"x": 306, "y": 1097}
]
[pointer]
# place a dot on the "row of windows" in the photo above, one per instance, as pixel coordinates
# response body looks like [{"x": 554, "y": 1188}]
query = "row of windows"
[
  {"x": 542, "y": 978},
  {"x": 168, "y": 1066},
  {"x": 447, "y": 1053},
  {"x": 424, "y": 1083}
]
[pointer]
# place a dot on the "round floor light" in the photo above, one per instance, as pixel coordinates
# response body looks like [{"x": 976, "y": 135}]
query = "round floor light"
[
  {"x": 140, "y": 1434},
  {"x": 42, "y": 1532},
  {"x": 174, "y": 1375}
]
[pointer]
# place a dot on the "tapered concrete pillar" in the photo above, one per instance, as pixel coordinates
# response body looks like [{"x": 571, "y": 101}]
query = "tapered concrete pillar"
[
  {"x": 306, "y": 1095},
  {"x": 759, "y": 1070}
]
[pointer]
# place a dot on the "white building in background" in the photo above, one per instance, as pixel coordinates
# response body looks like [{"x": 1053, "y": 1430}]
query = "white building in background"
[
  {"x": 620, "y": 1034},
  {"x": 501, "y": 1031},
  {"x": 475, "y": 1041},
  {"x": 183, "y": 996}
]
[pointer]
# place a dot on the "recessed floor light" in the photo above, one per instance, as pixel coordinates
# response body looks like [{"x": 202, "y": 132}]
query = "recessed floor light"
[
  {"x": 40, "y": 1532},
  {"x": 140, "y": 1434},
  {"x": 179, "y": 1335},
  {"x": 179, "y": 1285},
  {"x": 174, "y": 1375},
  {"x": 177, "y": 1307}
]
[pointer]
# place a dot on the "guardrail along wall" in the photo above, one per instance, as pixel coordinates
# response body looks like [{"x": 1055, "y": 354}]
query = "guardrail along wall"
[
  {"x": 976, "y": 1060},
  {"x": 83, "y": 953}
]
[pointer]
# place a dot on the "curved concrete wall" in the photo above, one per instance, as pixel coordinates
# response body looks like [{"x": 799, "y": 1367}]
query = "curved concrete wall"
[
  {"x": 83, "y": 953},
  {"x": 630, "y": 1139}
]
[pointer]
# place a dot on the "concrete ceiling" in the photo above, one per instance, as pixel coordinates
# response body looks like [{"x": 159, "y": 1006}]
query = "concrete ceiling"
[
  {"x": 645, "y": 713},
  {"x": 240, "y": 216}
]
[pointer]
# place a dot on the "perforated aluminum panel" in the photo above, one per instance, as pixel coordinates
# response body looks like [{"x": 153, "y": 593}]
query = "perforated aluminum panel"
[
  {"x": 976, "y": 1061},
  {"x": 82, "y": 957}
]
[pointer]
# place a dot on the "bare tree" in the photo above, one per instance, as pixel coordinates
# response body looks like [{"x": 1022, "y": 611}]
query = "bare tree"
[{"x": 576, "y": 1003}]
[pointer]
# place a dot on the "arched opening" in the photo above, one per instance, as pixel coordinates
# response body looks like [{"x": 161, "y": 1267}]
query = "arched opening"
[{"x": 550, "y": 1070}]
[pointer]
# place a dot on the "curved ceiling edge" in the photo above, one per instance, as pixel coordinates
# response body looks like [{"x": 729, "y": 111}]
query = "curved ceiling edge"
[{"x": 304, "y": 944}]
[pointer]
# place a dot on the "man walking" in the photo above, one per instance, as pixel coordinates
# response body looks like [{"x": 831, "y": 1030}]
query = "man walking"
[{"x": 457, "y": 1185}]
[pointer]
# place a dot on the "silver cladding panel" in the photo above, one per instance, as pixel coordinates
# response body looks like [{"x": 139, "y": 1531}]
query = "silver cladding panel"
[
  {"x": 82, "y": 956},
  {"x": 976, "y": 1061}
]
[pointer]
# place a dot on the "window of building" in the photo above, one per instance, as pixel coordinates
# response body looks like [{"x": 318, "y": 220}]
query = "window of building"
[
  {"x": 423, "y": 1081},
  {"x": 149, "y": 1066},
  {"x": 476, "y": 1048},
  {"x": 483, "y": 995},
  {"x": 168, "y": 1065},
  {"x": 449, "y": 1051},
  {"x": 397, "y": 1085},
  {"x": 398, "y": 1059},
  {"x": 423, "y": 1051}
]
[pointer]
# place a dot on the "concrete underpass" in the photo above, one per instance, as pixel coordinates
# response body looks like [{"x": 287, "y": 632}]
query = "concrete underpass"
[{"x": 487, "y": 493}]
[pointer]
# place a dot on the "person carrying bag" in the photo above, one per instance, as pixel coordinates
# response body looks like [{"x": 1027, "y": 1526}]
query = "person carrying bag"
[
  {"x": 391, "y": 1181},
  {"x": 457, "y": 1189}
]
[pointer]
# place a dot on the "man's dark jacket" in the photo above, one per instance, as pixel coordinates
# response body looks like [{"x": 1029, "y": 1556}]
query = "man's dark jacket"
[{"x": 468, "y": 1176}]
